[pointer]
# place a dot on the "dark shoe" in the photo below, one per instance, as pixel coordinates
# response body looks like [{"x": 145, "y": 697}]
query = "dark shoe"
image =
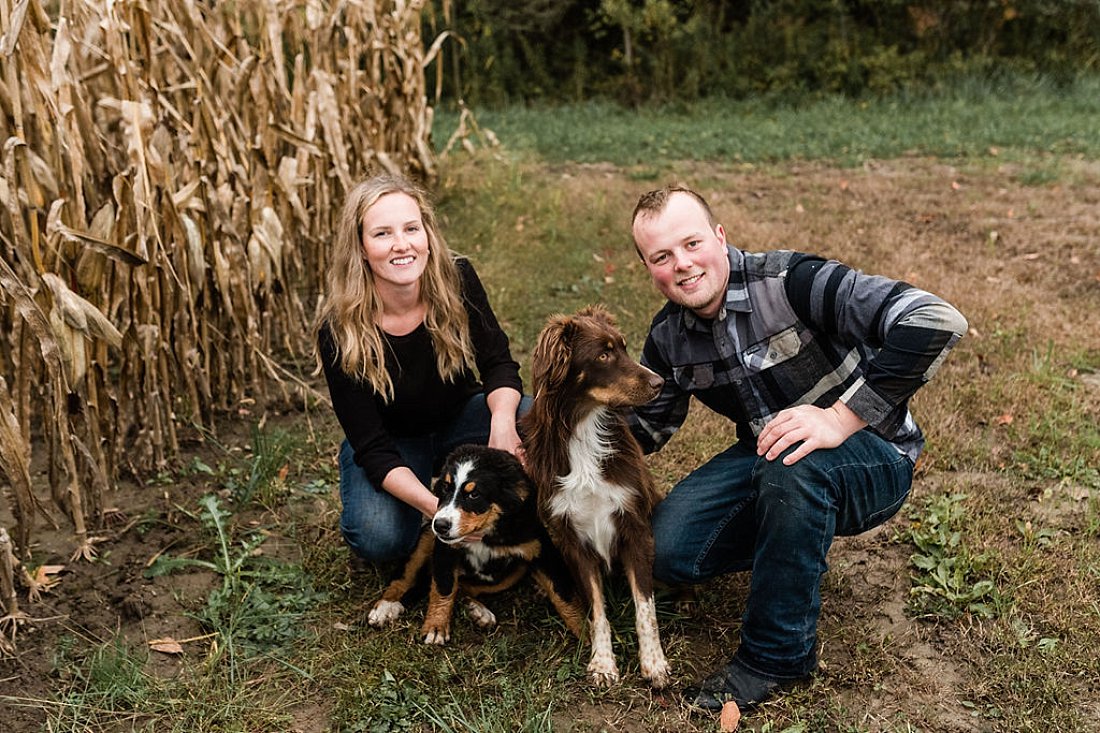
[{"x": 735, "y": 682}]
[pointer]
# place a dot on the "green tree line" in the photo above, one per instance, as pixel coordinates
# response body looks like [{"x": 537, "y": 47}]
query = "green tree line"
[{"x": 639, "y": 51}]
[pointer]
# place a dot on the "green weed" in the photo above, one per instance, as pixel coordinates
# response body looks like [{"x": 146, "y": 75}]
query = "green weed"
[
  {"x": 260, "y": 604},
  {"x": 951, "y": 579}
]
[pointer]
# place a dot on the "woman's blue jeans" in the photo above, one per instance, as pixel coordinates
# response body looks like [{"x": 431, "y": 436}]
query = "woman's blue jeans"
[
  {"x": 740, "y": 511},
  {"x": 380, "y": 528}
]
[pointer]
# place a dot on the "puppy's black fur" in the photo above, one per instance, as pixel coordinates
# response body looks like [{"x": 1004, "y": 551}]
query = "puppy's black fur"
[{"x": 485, "y": 536}]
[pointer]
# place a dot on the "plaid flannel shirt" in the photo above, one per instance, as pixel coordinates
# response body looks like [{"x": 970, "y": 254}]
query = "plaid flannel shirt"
[{"x": 798, "y": 329}]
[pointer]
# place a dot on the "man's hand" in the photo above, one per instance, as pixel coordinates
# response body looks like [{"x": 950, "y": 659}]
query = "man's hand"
[{"x": 813, "y": 427}]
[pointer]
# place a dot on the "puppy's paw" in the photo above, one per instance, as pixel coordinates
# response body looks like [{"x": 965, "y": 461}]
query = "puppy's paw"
[
  {"x": 482, "y": 616},
  {"x": 437, "y": 635},
  {"x": 385, "y": 612}
]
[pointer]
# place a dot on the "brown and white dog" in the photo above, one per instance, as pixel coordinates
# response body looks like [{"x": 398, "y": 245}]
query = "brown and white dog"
[
  {"x": 483, "y": 492},
  {"x": 595, "y": 493}
]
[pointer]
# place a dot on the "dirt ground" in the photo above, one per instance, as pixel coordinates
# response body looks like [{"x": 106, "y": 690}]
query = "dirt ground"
[{"x": 1027, "y": 256}]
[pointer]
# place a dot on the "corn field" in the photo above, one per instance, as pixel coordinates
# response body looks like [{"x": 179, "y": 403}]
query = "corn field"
[{"x": 171, "y": 172}]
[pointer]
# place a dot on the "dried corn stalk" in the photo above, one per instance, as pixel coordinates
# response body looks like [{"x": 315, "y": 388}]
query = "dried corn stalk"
[
  {"x": 170, "y": 173},
  {"x": 9, "y": 601}
]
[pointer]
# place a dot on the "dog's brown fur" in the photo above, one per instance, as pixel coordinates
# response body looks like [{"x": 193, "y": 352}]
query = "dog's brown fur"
[{"x": 595, "y": 493}]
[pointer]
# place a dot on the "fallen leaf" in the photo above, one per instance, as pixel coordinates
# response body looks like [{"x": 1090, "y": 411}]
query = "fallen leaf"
[
  {"x": 284, "y": 471},
  {"x": 44, "y": 570},
  {"x": 1032, "y": 256},
  {"x": 1005, "y": 419},
  {"x": 800, "y": 209},
  {"x": 167, "y": 645},
  {"x": 42, "y": 576},
  {"x": 955, "y": 186},
  {"x": 730, "y": 717}
]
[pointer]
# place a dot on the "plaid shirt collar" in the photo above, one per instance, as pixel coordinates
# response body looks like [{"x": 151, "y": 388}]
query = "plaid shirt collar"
[{"x": 737, "y": 294}]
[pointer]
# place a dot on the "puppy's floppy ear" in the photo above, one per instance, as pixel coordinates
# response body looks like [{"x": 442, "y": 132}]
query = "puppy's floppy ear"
[
  {"x": 550, "y": 359},
  {"x": 598, "y": 312}
]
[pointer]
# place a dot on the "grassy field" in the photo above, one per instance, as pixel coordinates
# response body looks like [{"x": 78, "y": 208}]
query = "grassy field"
[
  {"x": 971, "y": 119},
  {"x": 975, "y": 609}
]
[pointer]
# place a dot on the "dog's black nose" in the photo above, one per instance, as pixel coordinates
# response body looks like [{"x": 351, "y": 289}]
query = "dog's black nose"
[{"x": 441, "y": 527}]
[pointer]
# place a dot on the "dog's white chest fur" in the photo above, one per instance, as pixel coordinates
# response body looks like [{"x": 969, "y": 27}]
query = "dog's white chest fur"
[
  {"x": 479, "y": 555},
  {"x": 587, "y": 499}
]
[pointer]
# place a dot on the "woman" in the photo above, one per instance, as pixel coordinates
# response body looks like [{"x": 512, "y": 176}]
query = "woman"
[{"x": 402, "y": 329}]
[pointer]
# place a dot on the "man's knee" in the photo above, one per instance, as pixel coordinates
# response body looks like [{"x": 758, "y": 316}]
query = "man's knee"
[
  {"x": 673, "y": 569},
  {"x": 672, "y": 563},
  {"x": 804, "y": 484}
]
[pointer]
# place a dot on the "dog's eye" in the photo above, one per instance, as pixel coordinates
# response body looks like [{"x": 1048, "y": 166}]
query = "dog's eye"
[{"x": 604, "y": 356}]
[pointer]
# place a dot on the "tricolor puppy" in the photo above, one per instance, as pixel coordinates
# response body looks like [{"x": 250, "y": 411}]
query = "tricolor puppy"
[
  {"x": 595, "y": 493},
  {"x": 483, "y": 539}
]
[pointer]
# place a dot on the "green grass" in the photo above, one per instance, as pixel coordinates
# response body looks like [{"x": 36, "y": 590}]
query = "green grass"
[{"x": 970, "y": 118}]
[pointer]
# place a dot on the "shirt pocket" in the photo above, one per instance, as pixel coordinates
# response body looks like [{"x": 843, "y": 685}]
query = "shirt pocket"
[
  {"x": 773, "y": 351},
  {"x": 694, "y": 376}
]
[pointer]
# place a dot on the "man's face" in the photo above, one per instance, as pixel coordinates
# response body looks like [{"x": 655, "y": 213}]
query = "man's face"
[{"x": 685, "y": 256}]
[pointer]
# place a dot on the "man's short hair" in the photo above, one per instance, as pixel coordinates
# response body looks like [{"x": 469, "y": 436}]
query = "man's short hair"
[{"x": 654, "y": 202}]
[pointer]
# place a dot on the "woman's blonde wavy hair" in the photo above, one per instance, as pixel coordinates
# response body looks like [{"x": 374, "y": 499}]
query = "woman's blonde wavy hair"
[{"x": 352, "y": 308}]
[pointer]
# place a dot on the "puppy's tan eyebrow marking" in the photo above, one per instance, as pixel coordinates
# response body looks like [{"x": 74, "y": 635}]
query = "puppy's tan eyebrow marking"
[{"x": 470, "y": 486}]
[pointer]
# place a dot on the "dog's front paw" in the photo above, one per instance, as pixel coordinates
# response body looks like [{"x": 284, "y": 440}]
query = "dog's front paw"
[
  {"x": 658, "y": 674},
  {"x": 437, "y": 635},
  {"x": 603, "y": 671},
  {"x": 482, "y": 616},
  {"x": 385, "y": 612}
]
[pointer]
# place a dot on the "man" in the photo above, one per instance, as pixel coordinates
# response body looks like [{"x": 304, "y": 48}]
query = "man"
[{"x": 815, "y": 363}]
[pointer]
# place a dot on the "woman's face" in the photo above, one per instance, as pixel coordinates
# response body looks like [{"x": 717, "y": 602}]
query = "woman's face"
[{"x": 395, "y": 242}]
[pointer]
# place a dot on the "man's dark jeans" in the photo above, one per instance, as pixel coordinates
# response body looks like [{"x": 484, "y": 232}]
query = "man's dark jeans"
[{"x": 740, "y": 511}]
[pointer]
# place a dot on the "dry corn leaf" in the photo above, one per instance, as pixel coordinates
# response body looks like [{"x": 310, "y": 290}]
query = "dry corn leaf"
[
  {"x": 43, "y": 576},
  {"x": 80, "y": 314},
  {"x": 15, "y": 463},
  {"x": 167, "y": 645}
]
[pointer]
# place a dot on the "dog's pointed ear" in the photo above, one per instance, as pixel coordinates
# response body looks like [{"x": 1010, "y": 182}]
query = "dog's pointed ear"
[
  {"x": 598, "y": 312},
  {"x": 550, "y": 359}
]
